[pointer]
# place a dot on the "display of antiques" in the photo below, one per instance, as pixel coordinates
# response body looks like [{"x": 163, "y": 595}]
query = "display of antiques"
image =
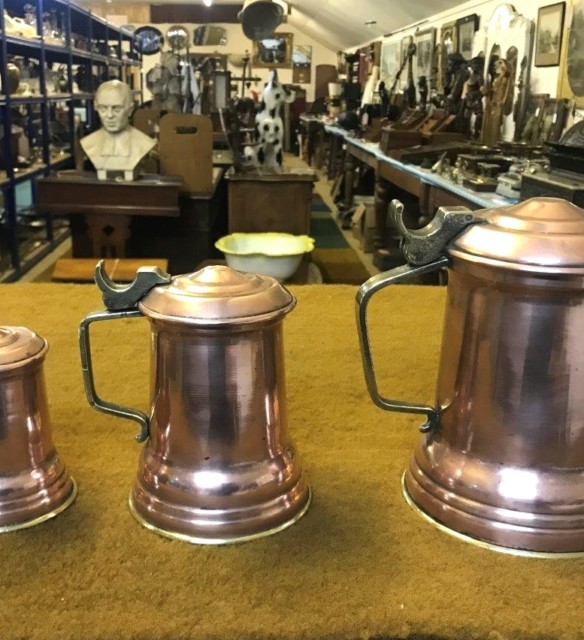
[
  {"x": 36, "y": 484},
  {"x": 267, "y": 147},
  {"x": 565, "y": 177},
  {"x": 116, "y": 149},
  {"x": 472, "y": 104},
  {"x": 148, "y": 40},
  {"x": 497, "y": 94},
  {"x": 494, "y": 463},
  {"x": 205, "y": 325}
]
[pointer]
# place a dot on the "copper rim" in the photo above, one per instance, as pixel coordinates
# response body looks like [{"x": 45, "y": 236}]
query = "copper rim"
[
  {"x": 46, "y": 516},
  {"x": 218, "y": 541},
  {"x": 543, "y": 555}
]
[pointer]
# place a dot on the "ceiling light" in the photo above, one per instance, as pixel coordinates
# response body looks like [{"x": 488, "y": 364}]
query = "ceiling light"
[{"x": 207, "y": 3}]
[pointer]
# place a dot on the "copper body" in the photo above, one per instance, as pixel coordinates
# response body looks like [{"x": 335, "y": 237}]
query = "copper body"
[
  {"x": 34, "y": 483},
  {"x": 506, "y": 464},
  {"x": 218, "y": 466}
]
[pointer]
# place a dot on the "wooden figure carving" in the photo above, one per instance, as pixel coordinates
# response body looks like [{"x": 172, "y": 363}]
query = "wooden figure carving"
[
  {"x": 473, "y": 98},
  {"x": 497, "y": 96}
]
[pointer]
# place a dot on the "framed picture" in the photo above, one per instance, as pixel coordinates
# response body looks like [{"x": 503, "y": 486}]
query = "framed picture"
[
  {"x": 391, "y": 60},
  {"x": 465, "y": 31},
  {"x": 571, "y": 73},
  {"x": 274, "y": 52},
  {"x": 548, "y": 38},
  {"x": 301, "y": 63},
  {"x": 405, "y": 45},
  {"x": 448, "y": 44},
  {"x": 425, "y": 43}
]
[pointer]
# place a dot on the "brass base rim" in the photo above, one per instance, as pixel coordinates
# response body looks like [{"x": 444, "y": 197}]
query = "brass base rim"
[
  {"x": 510, "y": 551},
  {"x": 46, "y": 516},
  {"x": 184, "y": 537}
]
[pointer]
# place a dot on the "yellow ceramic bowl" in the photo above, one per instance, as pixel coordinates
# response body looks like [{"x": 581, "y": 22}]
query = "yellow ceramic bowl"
[{"x": 270, "y": 254}]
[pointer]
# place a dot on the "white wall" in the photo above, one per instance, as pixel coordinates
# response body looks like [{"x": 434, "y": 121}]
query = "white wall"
[{"x": 237, "y": 43}]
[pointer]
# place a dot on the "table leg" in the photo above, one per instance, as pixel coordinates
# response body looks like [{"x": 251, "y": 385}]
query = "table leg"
[
  {"x": 380, "y": 203},
  {"x": 108, "y": 234}
]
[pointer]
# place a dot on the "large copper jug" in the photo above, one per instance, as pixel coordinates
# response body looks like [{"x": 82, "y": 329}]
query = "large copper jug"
[
  {"x": 218, "y": 465},
  {"x": 501, "y": 460},
  {"x": 35, "y": 484}
]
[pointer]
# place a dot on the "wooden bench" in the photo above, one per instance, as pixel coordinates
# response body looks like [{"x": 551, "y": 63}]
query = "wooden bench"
[{"x": 118, "y": 269}]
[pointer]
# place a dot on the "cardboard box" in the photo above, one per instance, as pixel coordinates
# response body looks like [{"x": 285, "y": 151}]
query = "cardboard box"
[{"x": 363, "y": 222}]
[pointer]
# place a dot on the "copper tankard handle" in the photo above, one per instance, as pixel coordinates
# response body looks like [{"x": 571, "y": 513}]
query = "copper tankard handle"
[
  {"x": 366, "y": 291},
  {"x": 94, "y": 400}
]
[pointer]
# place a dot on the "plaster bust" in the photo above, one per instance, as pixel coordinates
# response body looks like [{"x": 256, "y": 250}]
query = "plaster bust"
[{"x": 117, "y": 146}]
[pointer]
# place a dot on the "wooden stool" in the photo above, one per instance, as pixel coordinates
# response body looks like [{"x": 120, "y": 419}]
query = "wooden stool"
[{"x": 118, "y": 269}]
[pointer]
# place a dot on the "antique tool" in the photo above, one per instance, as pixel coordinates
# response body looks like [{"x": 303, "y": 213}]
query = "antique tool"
[
  {"x": 502, "y": 458},
  {"x": 218, "y": 465},
  {"x": 35, "y": 485}
]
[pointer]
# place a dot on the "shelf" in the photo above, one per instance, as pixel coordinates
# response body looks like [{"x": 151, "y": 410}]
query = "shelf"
[
  {"x": 40, "y": 249},
  {"x": 17, "y": 45},
  {"x": 61, "y": 163},
  {"x": 106, "y": 49},
  {"x": 28, "y": 174},
  {"x": 15, "y": 101}
]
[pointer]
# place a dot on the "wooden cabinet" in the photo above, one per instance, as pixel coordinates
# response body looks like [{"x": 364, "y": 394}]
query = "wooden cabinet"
[{"x": 260, "y": 202}]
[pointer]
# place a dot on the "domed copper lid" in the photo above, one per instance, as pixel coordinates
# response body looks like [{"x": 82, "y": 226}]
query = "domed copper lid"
[
  {"x": 540, "y": 235},
  {"x": 19, "y": 345},
  {"x": 218, "y": 295}
]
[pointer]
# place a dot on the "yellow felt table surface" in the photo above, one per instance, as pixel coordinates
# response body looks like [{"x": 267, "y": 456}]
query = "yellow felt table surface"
[{"x": 360, "y": 564}]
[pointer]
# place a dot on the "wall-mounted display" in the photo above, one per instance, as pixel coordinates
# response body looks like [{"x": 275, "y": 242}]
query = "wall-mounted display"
[
  {"x": 209, "y": 35},
  {"x": 425, "y": 43},
  {"x": 448, "y": 44},
  {"x": 302, "y": 64},
  {"x": 274, "y": 52},
  {"x": 390, "y": 61},
  {"x": 466, "y": 28},
  {"x": 548, "y": 40},
  {"x": 570, "y": 77},
  {"x": 148, "y": 40}
]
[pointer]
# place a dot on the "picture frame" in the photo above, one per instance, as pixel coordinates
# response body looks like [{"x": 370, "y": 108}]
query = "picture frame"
[
  {"x": 465, "y": 33},
  {"x": 274, "y": 52},
  {"x": 570, "y": 78},
  {"x": 425, "y": 46},
  {"x": 302, "y": 63},
  {"x": 448, "y": 44},
  {"x": 549, "y": 32},
  {"x": 390, "y": 62},
  {"x": 405, "y": 43}
]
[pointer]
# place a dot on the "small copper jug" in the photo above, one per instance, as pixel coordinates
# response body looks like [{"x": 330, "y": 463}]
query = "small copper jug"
[
  {"x": 502, "y": 456},
  {"x": 35, "y": 485},
  {"x": 218, "y": 465}
]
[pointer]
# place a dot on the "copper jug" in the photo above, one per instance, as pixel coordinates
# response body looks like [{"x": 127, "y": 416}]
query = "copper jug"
[
  {"x": 35, "y": 485},
  {"x": 501, "y": 460},
  {"x": 218, "y": 465}
]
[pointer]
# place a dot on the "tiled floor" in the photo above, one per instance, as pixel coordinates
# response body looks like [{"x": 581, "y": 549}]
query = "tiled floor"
[{"x": 322, "y": 187}]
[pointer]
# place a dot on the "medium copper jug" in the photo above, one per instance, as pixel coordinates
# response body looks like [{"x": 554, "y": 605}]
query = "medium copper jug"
[
  {"x": 35, "y": 484},
  {"x": 218, "y": 465},
  {"x": 502, "y": 456}
]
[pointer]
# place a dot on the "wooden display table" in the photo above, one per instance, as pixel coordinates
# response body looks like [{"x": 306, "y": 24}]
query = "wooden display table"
[
  {"x": 265, "y": 200},
  {"x": 147, "y": 218},
  {"x": 118, "y": 269}
]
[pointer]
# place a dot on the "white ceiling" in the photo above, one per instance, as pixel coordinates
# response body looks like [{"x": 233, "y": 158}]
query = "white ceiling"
[{"x": 340, "y": 24}]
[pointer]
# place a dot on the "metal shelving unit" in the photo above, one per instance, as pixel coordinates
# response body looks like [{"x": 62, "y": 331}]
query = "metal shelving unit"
[{"x": 107, "y": 53}]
